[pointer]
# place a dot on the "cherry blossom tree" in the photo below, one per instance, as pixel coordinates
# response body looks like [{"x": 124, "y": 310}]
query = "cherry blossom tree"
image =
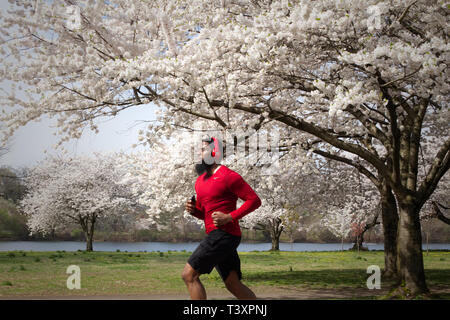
[
  {"x": 339, "y": 222},
  {"x": 165, "y": 177},
  {"x": 365, "y": 79},
  {"x": 352, "y": 203},
  {"x": 82, "y": 190},
  {"x": 294, "y": 188},
  {"x": 381, "y": 84}
]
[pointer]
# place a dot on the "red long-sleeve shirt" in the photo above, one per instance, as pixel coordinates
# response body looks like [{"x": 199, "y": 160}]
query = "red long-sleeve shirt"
[{"x": 219, "y": 192}]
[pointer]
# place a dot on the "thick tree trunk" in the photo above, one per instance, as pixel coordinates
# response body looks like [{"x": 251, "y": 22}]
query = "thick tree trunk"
[
  {"x": 389, "y": 218},
  {"x": 409, "y": 249}
]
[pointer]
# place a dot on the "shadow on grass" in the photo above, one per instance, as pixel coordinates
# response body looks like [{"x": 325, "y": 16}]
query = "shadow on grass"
[
  {"x": 332, "y": 278},
  {"x": 438, "y": 276},
  {"x": 317, "y": 278}
]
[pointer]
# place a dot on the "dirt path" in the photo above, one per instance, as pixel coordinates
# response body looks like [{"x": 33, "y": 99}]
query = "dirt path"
[
  {"x": 278, "y": 293},
  {"x": 273, "y": 294}
]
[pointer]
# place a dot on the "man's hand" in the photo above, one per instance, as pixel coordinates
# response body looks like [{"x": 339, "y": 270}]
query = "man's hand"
[
  {"x": 189, "y": 206},
  {"x": 220, "y": 218}
]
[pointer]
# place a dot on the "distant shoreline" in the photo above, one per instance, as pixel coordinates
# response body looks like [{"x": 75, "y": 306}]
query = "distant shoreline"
[
  {"x": 194, "y": 241},
  {"x": 155, "y": 246}
]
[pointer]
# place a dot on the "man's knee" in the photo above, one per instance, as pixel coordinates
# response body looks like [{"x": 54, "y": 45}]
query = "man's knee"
[{"x": 189, "y": 274}]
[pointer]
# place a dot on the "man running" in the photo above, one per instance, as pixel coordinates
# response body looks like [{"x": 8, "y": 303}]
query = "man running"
[{"x": 218, "y": 189}]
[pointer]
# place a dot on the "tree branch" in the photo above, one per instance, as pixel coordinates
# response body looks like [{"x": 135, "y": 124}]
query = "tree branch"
[
  {"x": 439, "y": 167},
  {"x": 358, "y": 166},
  {"x": 218, "y": 119},
  {"x": 438, "y": 213}
]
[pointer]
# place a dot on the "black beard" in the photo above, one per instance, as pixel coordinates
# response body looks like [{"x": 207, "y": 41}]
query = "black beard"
[{"x": 202, "y": 167}]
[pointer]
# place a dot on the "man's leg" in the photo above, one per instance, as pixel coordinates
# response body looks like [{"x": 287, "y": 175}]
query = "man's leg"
[
  {"x": 194, "y": 286},
  {"x": 237, "y": 288}
]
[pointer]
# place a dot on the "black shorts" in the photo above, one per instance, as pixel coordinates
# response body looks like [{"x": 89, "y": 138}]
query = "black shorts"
[{"x": 218, "y": 250}]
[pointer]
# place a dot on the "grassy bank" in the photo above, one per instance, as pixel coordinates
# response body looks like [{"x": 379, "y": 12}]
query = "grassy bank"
[{"x": 119, "y": 273}]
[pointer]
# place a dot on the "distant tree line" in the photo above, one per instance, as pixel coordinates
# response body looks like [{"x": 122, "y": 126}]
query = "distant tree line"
[{"x": 13, "y": 224}]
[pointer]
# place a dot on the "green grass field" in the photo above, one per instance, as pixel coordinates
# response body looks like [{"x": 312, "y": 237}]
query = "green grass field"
[{"x": 121, "y": 273}]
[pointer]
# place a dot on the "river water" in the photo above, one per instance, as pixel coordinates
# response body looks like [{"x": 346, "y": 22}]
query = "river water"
[{"x": 188, "y": 246}]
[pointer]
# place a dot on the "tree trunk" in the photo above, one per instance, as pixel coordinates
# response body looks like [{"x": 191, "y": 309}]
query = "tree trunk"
[
  {"x": 275, "y": 244},
  {"x": 409, "y": 249},
  {"x": 89, "y": 240},
  {"x": 88, "y": 231},
  {"x": 275, "y": 233},
  {"x": 359, "y": 240},
  {"x": 389, "y": 218},
  {"x": 358, "y": 243}
]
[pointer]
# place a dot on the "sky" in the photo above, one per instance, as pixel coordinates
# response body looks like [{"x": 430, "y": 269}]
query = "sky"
[{"x": 34, "y": 142}]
